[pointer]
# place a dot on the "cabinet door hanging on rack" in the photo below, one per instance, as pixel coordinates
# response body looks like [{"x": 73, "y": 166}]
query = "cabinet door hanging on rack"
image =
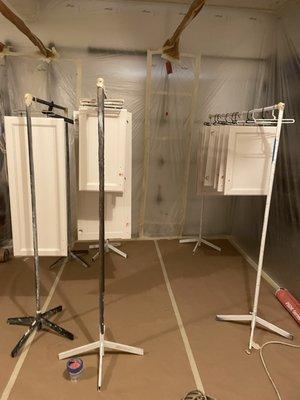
[
  {"x": 238, "y": 159},
  {"x": 117, "y": 204},
  {"x": 115, "y": 136},
  {"x": 50, "y": 180}
]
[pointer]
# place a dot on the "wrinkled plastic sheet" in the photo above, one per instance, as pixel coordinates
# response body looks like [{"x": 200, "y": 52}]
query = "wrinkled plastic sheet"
[{"x": 168, "y": 205}]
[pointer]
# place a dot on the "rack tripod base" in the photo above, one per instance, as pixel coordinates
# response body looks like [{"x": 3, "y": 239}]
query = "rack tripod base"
[
  {"x": 101, "y": 345},
  {"x": 259, "y": 321},
  {"x": 109, "y": 247},
  {"x": 71, "y": 256},
  {"x": 39, "y": 322},
  {"x": 198, "y": 242}
]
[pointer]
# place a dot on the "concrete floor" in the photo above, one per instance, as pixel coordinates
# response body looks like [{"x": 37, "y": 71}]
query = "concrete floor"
[{"x": 139, "y": 312}]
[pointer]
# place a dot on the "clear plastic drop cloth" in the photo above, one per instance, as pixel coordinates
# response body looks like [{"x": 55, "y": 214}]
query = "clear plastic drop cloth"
[
  {"x": 162, "y": 213},
  {"x": 25, "y": 75},
  {"x": 164, "y": 155},
  {"x": 282, "y": 83}
]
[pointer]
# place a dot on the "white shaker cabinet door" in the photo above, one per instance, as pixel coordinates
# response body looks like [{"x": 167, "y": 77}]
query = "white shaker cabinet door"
[
  {"x": 249, "y": 158},
  {"x": 117, "y": 205},
  {"x": 49, "y": 153},
  {"x": 114, "y": 151},
  {"x": 211, "y": 156}
]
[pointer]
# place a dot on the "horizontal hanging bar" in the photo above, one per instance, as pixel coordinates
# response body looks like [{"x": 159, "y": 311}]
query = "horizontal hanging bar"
[
  {"x": 54, "y": 115},
  {"x": 236, "y": 117},
  {"x": 239, "y": 114},
  {"x": 49, "y": 104},
  {"x": 29, "y": 99}
]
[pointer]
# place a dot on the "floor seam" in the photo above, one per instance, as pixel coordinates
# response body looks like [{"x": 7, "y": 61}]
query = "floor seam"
[
  {"x": 14, "y": 375},
  {"x": 188, "y": 349}
]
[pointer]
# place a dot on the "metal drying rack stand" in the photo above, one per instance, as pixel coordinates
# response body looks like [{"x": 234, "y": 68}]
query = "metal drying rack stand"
[{"x": 41, "y": 319}]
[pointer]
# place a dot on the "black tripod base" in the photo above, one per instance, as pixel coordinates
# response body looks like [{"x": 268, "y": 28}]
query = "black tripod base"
[
  {"x": 71, "y": 256},
  {"x": 40, "y": 321}
]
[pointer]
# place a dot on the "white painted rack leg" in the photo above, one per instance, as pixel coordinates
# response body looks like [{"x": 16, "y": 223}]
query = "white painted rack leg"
[
  {"x": 109, "y": 246},
  {"x": 198, "y": 243},
  {"x": 255, "y": 320},
  {"x": 113, "y": 248},
  {"x": 101, "y": 344}
]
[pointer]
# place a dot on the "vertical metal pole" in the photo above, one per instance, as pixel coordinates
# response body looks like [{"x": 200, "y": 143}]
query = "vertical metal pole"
[
  {"x": 265, "y": 222},
  {"x": 28, "y": 102},
  {"x": 100, "y": 104}
]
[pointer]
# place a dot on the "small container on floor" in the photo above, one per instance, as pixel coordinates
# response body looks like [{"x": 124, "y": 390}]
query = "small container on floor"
[{"x": 74, "y": 368}]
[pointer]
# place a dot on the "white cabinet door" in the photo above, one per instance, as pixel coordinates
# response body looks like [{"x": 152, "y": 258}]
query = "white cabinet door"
[
  {"x": 50, "y": 182},
  {"x": 223, "y": 159},
  {"x": 211, "y": 156},
  {"x": 117, "y": 205},
  {"x": 114, "y": 141},
  {"x": 249, "y": 157}
]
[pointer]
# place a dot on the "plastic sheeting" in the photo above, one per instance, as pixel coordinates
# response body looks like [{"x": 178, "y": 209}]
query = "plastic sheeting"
[
  {"x": 167, "y": 155},
  {"x": 282, "y": 82},
  {"x": 165, "y": 201}
]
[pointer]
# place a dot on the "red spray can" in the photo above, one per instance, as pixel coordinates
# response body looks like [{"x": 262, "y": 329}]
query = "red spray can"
[{"x": 289, "y": 302}]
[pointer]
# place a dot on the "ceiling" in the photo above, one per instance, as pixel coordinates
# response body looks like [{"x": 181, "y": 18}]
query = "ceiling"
[
  {"x": 30, "y": 10},
  {"x": 256, "y": 4},
  {"x": 31, "y": 5},
  {"x": 270, "y": 5}
]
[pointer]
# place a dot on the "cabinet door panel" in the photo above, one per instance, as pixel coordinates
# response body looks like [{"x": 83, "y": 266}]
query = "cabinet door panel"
[
  {"x": 117, "y": 205},
  {"x": 249, "y": 160},
  {"x": 114, "y": 141},
  {"x": 50, "y": 180}
]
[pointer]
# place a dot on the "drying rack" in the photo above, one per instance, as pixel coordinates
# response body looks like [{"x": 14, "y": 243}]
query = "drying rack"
[
  {"x": 41, "y": 319},
  {"x": 250, "y": 118},
  {"x": 102, "y": 343}
]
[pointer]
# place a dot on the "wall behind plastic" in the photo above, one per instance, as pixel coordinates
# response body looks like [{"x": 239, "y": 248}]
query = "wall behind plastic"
[
  {"x": 282, "y": 84},
  {"x": 232, "y": 73}
]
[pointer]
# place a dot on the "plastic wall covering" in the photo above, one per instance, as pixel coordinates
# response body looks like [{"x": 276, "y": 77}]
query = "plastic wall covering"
[
  {"x": 169, "y": 206},
  {"x": 282, "y": 247}
]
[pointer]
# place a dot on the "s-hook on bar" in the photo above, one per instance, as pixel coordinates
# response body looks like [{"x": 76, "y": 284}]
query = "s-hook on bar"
[
  {"x": 40, "y": 320},
  {"x": 253, "y": 317},
  {"x": 101, "y": 344}
]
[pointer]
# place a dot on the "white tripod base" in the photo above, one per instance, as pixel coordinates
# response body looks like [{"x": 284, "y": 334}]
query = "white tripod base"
[
  {"x": 107, "y": 247},
  {"x": 258, "y": 320},
  {"x": 101, "y": 344},
  {"x": 198, "y": 242}
]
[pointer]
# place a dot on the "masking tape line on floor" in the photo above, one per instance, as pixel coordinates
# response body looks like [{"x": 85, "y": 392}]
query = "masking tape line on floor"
[{"x": 188, "y": 349}]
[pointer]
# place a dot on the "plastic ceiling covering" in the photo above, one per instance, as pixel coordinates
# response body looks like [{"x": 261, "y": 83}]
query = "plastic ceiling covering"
[{"x": 164, "y": 201}]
